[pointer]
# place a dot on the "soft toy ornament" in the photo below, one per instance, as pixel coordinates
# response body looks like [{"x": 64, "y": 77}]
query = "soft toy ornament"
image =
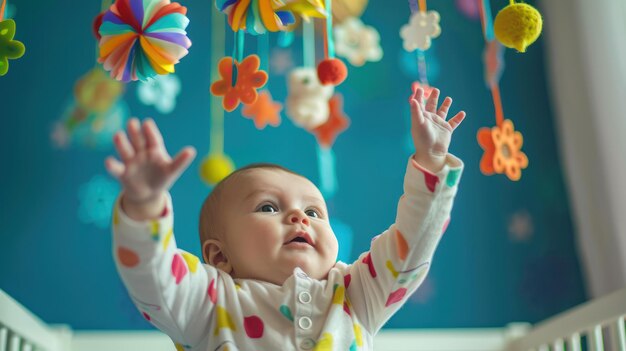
[
  {"x": 96, "y": 92},
  {"x": 337, "y": 122},
  {"x": 422, "y": 27},
  {"x": 357, "y": 42},
  {"x": 345, "y": 9},
  {"x": 305, "y": 8},
  {"x": 502, "y": 145},
  {"x": 160, "y": 92},
  {"x": 142, "y": 38},
  {"x": 239, "y": 82},
  {"x": 263, "y": 111},
  {"x": 9, "y": 48},
  {"x": 332, "y": 71},
  {"x": 307, "y": 98},
  {"x": 216, "y": 167},
  {"x": 517, "y": 26}
]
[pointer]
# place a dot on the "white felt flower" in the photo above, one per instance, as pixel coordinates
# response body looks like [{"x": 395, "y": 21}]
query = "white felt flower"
[
  {"x": 357, "y": 42},
  {"x": 307, "y": 99},
  {"x": 160, "y": 92},
  {"x": 422, "y": 27}
]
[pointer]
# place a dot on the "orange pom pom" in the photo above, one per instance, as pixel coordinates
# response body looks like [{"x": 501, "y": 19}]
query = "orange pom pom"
[{"x": 332, "y": 71}]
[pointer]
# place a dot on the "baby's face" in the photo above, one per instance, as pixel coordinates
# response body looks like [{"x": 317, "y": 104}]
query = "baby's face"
[{"x": 276, "y": 221}]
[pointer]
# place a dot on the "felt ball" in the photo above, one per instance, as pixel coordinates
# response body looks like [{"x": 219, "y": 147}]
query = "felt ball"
[
  {"x": 216, "y": 167},
  {"x": 142, "y": 38},
  {"x": 517, "y": 26},
  {"x": 332, "y": 71}
]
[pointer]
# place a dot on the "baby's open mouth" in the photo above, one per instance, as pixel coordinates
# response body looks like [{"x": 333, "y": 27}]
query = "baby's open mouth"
[{"x": 300, "y": 237}]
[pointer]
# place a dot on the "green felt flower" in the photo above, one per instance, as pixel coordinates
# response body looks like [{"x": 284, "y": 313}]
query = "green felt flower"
[{"x": 9, "y": 48}]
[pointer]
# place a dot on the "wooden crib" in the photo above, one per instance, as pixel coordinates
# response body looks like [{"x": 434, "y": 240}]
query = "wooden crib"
[{"x": 596, "y": 325}]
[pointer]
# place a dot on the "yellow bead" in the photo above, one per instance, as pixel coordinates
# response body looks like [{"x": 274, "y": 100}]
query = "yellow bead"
[
  {"x": 216, "y": 167},
  {"x": 517, "y": 26}
]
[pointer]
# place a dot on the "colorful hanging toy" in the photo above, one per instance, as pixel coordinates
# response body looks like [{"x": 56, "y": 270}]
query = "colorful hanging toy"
[
  {"x": 502, "y": 144},
  {"x": 9, "y": 48},
  {"x": 142, "y": 38},
  {"x": 517, "y": 26},
  {"x": 331, "y": 70}
]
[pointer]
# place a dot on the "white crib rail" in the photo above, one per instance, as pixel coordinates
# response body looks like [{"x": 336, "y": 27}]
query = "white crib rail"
[
  {"x": 20, "y": 330},
  {"x": 598, "y": 323}
]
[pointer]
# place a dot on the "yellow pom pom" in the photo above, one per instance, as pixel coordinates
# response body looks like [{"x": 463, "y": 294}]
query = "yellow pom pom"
[
  {"x": 216, "y": 167},
  {"x": 517, "y": 26}
]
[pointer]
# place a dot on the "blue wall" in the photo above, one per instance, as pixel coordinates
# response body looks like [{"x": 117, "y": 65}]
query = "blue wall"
[{"x": 61, "y": 267}]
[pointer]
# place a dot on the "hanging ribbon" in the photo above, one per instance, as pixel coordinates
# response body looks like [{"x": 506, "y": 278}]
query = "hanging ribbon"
[
  {"x": 308, "y": 44},
  {"x": 2, "y": 7},
  {"x": 218, "y": 43},
  {"x": 487, "y": 24},
  {"x": 326, "y": 166}
]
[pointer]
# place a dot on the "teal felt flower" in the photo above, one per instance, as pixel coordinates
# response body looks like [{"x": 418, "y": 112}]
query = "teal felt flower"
[{"x": 9, "y": 48}]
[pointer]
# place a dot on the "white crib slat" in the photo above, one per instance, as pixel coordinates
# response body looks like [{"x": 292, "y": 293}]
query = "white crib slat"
[
  {"x": 558, "y": 345},
  {"x": 573, "y": 343},
  {"x": 27, "y": 347},
  {"x": 14, "y": 343},
  {"x": 618, "y": 335},
  {"x": 595, "y": 339},
  {"x": 3, "y": 338}
]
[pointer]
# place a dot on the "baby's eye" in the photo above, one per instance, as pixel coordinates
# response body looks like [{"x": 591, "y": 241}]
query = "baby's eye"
[
  {"x": 312, "y": 213},
  {"x": 268, "y": 208}
]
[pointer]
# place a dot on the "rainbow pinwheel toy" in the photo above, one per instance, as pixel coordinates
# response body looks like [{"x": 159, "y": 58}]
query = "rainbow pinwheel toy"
[{"x": 142, "y": 38}]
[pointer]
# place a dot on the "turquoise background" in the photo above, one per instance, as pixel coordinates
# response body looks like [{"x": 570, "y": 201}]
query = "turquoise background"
[{"x": 62, "y": 269}]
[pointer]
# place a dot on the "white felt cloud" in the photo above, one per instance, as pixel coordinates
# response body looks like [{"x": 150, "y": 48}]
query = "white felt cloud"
[
  {"x": 422, "y": 27},
  {"x": 160, "y": 92},
  {"x": 307, "y": 99},
  {"x": 357, "y": 42}
]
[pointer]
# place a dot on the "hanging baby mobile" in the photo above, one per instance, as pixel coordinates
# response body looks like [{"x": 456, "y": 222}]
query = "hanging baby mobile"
[
  {"x": 516, "y": 26},
  {"x": 9, "y": 48},
  {"x": 140, "y": 39}
]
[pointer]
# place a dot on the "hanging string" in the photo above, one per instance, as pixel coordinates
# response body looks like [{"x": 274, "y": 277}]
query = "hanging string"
[
  {"x": 308, "y": 44},
  {"x": 4, "y": 2},
  {"x": 329, "y": 43},
  {"x": 421, "y": 67},
  {"x": 487, "y": 23},
  {"x": 263, "y": 43},
  {"x": 218, "y": 44},
  {"x": 422, "y": 5},
  {"x": 237, "y": 54}
]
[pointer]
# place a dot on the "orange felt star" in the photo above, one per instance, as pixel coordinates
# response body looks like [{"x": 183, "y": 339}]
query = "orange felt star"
[
  {"x": 263, "y": 111},
  {"x": 502, "y": 145},
  {"x": 248, "y": 79},
  {"x": 337, "y": 122}
]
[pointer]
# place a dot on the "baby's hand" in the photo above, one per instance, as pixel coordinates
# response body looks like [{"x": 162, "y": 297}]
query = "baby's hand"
[
  {"x": 146, "y": 170},
  {"x": 430, "y": 131}
]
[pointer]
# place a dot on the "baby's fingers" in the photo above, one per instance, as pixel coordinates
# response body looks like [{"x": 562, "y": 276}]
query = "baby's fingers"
[
  {"x": 456, "y": 120},
  {"x": 123, "y": 147},
  {"x": 182, "y": 161},
  {"x": 445, "y": 106},
  {"x": 114, "y": 167},
  {"x": 153, "y": 136},
  {"x": 136, "y": 137}
]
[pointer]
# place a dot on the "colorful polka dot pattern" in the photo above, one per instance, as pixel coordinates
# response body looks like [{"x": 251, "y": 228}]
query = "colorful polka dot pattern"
[
  {"x": 192, "y": 261},
  {"x": 212, "y": 291},
  {"x": 253, "y": 325},
  {"x": 453, "y": 177},
  {"x": 401, "y": 245},
  {"x": 223, "y": 320},
  {"x": 284, "y": 309},
  {"x": 179, "y": 269},
  {"x": 395, "y": 296},
  {"x": 391, "y": 268},
  {"x": 358, "y": 335},
  {"x": 445, "y": 225},
  {"x": 368, "y": 261},
  {"x": 167, "y": 239},
  {"x": 128, "y": 258},
  {"x": 325, "y": 343},
  {"x": 154, "y": 230}
]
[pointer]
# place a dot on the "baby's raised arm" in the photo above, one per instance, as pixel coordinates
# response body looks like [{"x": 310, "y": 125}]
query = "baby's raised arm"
[{"x": 383, "y": 278}]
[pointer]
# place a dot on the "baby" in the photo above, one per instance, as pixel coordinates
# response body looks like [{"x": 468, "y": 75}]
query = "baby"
[{"x": 272, "y": 281}]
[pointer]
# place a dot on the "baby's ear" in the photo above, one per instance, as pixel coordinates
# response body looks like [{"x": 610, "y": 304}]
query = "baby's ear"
[{"x": 215, "y": 256}]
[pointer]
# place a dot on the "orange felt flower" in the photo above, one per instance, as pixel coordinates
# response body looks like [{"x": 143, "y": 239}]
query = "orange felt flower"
[
  {"x": 337, "y": 122},
  {"x": 263, "y": 111},
  {"x": 246, "y": 82},
  {"x": 502, "y": 145}
]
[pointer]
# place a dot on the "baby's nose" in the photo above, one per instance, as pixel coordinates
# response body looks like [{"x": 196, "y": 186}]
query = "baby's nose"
[{"x": 295, "y": 218}]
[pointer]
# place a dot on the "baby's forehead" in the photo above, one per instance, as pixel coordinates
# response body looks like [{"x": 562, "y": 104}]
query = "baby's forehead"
[{"x": 260, "y": 180}]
